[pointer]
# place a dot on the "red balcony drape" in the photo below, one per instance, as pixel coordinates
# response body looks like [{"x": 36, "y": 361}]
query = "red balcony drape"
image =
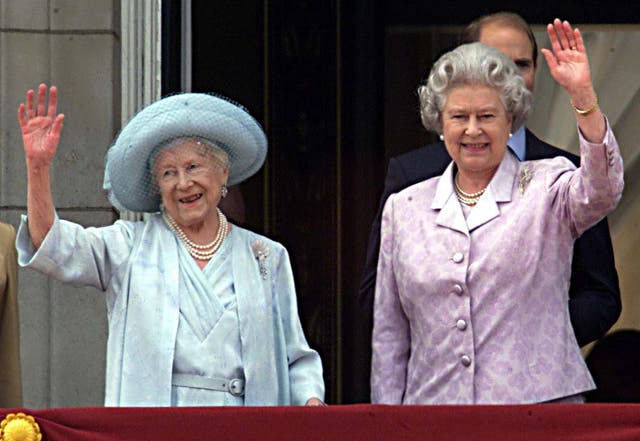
[{"x": 548, "y": 422}]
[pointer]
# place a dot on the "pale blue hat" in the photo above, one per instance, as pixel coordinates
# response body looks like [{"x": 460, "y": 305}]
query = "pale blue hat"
[{"x": 215, "y": 119}]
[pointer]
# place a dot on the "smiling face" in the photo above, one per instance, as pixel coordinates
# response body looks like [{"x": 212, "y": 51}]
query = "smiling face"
[
  {"x": 476, "y": 129},
  {"x": 190, "y": 178}
]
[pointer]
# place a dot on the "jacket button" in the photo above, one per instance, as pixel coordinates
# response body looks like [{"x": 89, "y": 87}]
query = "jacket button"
[
  {"x": 457, "y": 289},
  {"x": 465, "y": 360},
  {"x": 461, "y": 325},
  {"x": 457, "y": 257}
]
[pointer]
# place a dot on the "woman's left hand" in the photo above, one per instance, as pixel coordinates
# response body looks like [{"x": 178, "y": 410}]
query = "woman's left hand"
[
  {"x": 568, "y": 61},
  {"x": 569, "y": 66},
  {"x": 314, "y": 402}
]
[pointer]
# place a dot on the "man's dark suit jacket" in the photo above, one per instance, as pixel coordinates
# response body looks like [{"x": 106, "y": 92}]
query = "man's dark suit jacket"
[{"x": 594, "y": 293}]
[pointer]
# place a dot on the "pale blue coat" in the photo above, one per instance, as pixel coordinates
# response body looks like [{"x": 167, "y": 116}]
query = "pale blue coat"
[{"x": 136, "y": 264}]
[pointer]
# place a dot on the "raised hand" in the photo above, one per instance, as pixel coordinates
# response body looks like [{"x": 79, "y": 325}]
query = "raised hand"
[
  {"x": 568, "y": 61},
  {"x": 41, "y": 126},
  {"x": 569, "y": 66}
]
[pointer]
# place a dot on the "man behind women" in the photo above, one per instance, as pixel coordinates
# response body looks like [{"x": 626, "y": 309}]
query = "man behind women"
[
  {"x": 10, "y": 384},
  {"x": 594, "y": 293}
]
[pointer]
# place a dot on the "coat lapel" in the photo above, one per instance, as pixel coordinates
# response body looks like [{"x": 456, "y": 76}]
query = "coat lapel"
[
  {"x": 255, "y": 315},
  {"x": 451, "y": 215},
  {"x": 499, "y": 190},
  {"x": 153, "y": 303},
  {"x": 486, "y": 210}
]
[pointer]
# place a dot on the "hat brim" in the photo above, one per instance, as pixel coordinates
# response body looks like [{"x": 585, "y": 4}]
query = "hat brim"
[{"x": 209, "y": 117}]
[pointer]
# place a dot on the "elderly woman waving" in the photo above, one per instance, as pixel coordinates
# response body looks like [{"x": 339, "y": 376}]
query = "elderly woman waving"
[
  {"x": 201, "y": 312},
  {"x": 471, "y": 301}
]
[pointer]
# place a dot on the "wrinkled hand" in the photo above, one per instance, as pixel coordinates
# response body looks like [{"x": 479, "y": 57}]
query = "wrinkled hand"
[
  {"x": 568, "y": 61},
  {"x": 41, "y": 126},
  {"x": 314, "y": 402}
]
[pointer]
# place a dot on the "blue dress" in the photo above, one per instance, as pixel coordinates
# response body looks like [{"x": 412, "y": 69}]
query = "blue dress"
[
  {"x": 156, "y": 304},
  {"x": 208, "y": 317}
]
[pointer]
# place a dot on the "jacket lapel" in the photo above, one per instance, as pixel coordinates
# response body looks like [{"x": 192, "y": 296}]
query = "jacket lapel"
[
  {"x": 451, "y": 215},
  {"x": 499, "y": 190},
  {"x": 255, "y": 316},
  {"x": 153, "y": 303},
  {"x": 486, "y": 210}
]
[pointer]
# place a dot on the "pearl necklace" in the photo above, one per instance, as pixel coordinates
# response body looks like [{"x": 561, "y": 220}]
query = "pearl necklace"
[
  {"x": 200, "y": 252},
  {"x": 469, "y": 199}
]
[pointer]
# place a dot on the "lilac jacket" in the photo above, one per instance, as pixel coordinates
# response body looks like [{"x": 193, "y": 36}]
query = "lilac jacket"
[{"x": 475, "y": 310}]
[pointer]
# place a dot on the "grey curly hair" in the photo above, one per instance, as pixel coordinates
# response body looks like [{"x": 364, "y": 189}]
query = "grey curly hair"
[{"x": 473, "y": 64}]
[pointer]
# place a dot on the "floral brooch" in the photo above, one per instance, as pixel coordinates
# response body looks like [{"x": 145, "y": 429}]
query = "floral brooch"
[
  {"x": 261, "y": 252},
  {"x": 525, "y": 177}
]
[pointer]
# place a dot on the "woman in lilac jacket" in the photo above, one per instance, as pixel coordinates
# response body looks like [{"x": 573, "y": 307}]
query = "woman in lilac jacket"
[{"x": 474, "y": 267}]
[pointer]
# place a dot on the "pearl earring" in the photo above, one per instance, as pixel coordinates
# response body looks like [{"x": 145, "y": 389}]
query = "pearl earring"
[
  {"x": 510, "y": 135},
  {"x": 224, "y": 191},
  {"x": 441, "y": 137}
]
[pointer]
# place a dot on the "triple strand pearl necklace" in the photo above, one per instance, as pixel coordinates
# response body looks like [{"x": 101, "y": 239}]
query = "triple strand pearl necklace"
[
  {"x": 200, "y": 252},
  {"x": 469, "y": 199}
]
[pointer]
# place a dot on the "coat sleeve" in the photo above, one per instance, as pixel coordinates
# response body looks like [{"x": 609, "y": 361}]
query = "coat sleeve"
[
  {"x": 305, "y": 366},
  {"x": 594, "y": 291},
  {"x": 391, "y": 338},
  {"x": 592, "y": 191},
  {"x": 76, "y": 255}
]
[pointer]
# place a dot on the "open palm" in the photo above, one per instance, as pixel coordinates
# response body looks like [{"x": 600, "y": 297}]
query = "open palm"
[
  {"x": 41, "y": 126},
  {"x": 568, "y": 61}
]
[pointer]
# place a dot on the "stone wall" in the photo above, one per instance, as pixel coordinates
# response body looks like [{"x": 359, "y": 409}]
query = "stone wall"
[{"x": 75, "y": 45}]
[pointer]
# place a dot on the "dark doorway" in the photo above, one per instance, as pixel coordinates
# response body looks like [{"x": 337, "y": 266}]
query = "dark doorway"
[{"x": 313, "y": 73}]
